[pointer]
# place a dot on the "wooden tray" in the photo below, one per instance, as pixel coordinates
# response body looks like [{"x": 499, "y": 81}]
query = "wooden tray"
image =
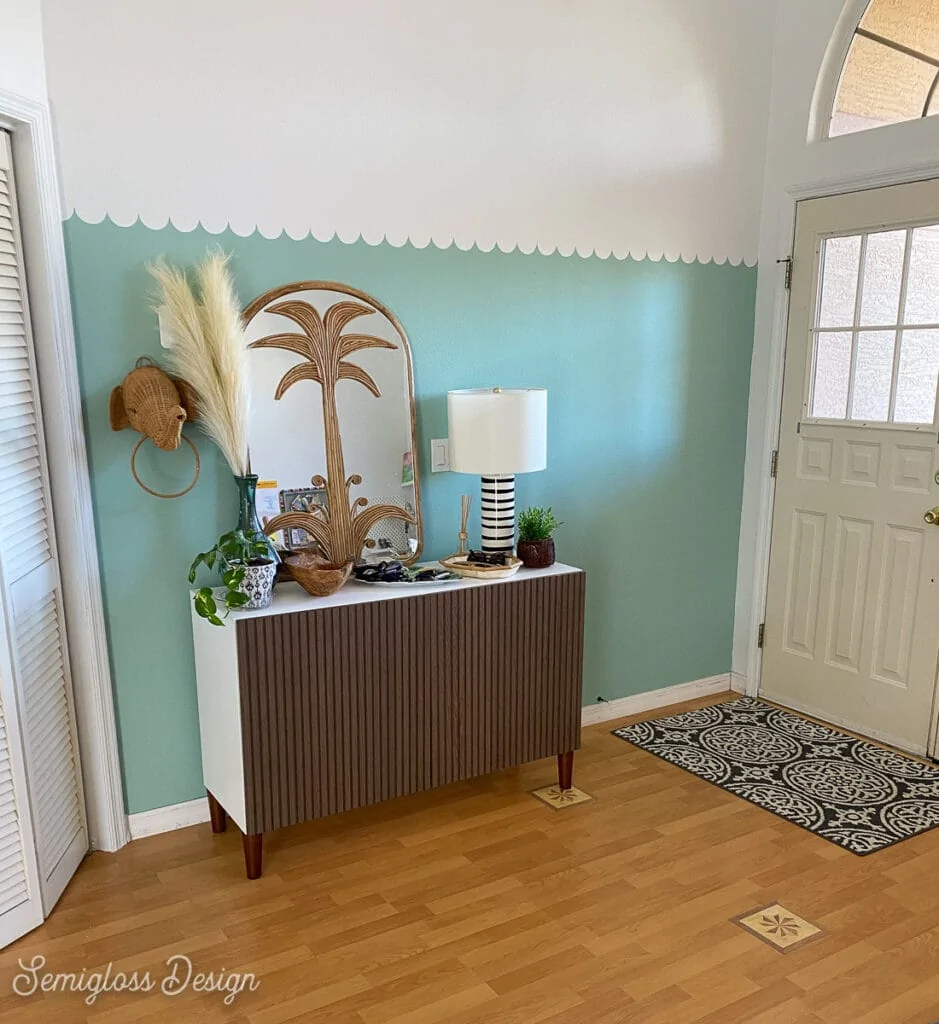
[{"x": 477, "y": 571}]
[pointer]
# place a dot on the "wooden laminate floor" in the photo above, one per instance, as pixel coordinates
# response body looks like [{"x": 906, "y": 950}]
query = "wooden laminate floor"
[{"x": 477, "y": 903}]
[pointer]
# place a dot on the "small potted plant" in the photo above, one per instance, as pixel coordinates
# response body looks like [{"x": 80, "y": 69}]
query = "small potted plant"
[
  {"x": 244, "y": 562},
  {"x": 535, "y": 543}
]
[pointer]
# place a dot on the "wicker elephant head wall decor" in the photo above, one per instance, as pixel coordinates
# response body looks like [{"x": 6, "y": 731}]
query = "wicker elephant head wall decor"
[{"x": 150, "y": 401}]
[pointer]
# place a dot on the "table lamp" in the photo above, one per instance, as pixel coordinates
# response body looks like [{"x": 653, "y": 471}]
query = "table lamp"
[{"x": 496, "y": 433}]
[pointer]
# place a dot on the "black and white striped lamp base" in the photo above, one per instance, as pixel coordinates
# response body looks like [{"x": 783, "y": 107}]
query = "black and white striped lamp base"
[{"x": 497, "y": 514}]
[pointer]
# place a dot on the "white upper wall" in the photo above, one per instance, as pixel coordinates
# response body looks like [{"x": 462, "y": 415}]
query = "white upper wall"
[
  {"x": 21, "y": 60},
  {"x": 606, "y": 125}
]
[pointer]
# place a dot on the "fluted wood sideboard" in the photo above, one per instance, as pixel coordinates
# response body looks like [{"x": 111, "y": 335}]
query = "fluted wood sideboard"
[{"x": 318, "y": 705}]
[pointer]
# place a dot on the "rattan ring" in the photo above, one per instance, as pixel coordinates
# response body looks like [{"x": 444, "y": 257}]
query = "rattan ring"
[{"x": 157, "y": 494}]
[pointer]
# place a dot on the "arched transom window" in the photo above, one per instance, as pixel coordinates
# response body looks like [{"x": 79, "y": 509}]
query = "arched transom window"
[{"x": 891, "y": 73}]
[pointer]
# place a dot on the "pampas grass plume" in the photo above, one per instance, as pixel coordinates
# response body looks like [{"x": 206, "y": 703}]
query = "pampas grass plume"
[{"x": 208, "y": 349}]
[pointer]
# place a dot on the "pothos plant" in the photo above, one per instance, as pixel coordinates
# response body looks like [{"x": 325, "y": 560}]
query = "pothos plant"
[{"x": 231, "y": 553}]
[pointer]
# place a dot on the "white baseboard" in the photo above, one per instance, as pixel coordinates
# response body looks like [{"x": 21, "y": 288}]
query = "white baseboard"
[
  {"x": 167, "y": 819},
  {"x": 653, "y": 699},
  {"x": 195, "y": 812},
  {"x": 738, "y": 682}
]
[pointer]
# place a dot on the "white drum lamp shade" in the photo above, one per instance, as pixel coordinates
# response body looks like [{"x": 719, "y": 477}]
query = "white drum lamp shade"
[{"x": 496, "y": 433}]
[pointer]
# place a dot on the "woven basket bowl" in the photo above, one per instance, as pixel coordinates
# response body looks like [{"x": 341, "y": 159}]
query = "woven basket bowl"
[{"x": 318, "y": 578}]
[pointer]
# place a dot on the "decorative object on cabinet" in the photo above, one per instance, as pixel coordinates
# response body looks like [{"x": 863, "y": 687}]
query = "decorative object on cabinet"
[
  {"x": 258, "y": 582},
  {"x": 267, "y": 505},
  {"x": 249, "y": 523},
  {"x": 465, "y": 502},
  {"x": 317, "y": 577},
  {"x": 156, "y": 405},
  {"x": 363, "y": 416},
  {"x": 453, "y": 707},
  {"x": 496, "y": 433},
  {"x": 535, "y": 541},
  {"x": 208, "y": 349},
  {"x": 479, "y": 568},
  {"x": 247, "y": 571},
  {"x": 301, "y": 499},
  {"x": 389, "y": 538},
  {"x": 396, "y": 574}
]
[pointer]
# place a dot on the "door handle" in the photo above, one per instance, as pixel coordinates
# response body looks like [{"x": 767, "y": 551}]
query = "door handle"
[{"x": 932, "y": 516}]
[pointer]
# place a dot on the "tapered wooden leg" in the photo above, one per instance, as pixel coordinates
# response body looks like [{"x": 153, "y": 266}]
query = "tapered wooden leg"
[
  {"x": 566, "y": 770},
  {"x": 217, "y": 814},
  {"x": 252, "y": 848}
]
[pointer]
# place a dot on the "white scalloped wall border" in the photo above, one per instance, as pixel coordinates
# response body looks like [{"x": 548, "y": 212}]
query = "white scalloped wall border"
[
  {"x": 438, "y": 241},
  {"x": 518, "y": 127}
]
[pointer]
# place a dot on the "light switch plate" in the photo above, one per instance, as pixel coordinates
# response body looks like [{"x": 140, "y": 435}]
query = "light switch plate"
[
  {"x": 440, "y": 455},
  {"x": 166, "y": 339}
]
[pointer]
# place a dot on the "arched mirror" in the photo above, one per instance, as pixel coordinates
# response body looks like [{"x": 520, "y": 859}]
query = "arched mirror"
[{"x": 332, "y": 429}]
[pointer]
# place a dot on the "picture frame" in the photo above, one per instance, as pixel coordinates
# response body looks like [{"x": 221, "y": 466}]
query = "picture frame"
[{"x": 301, "y": 499}]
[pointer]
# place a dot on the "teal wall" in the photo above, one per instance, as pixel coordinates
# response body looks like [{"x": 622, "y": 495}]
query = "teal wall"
[{"x": 647, "y": 368}]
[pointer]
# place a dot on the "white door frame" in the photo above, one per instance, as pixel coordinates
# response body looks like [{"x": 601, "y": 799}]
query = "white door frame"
[
  {"x": 54, "y": 340},
  {"x": 769, "y": 435}
]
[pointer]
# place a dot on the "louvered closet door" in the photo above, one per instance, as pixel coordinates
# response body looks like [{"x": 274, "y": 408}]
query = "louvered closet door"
[
  {"x": 35, "y": 622},
  {"x": 20, "y": 899}
]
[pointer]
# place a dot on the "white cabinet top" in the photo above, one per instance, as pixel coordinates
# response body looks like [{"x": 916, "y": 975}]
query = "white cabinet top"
[{"x": 290, "y": 597}]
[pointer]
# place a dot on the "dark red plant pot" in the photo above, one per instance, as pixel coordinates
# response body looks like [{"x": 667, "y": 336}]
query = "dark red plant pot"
[{"x": 536, "y": 554}]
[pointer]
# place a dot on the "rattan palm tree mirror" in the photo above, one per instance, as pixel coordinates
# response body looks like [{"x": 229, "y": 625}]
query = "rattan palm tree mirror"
[{"x": 332, "y": 430}]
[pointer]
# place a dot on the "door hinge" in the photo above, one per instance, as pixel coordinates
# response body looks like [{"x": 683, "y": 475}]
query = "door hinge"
[
  {"x": 761, "y": 635},
  {"x": 774, "y": 463},
  {"x": 788, "y": 262}
]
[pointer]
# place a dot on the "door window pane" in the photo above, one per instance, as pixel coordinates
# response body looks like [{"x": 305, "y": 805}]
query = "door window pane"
[
  {"x": 922, "y": 294},
  {"x": 910, "y": 23},
  {"x": 872, "y": 376},
  {"x": 879, "y": 85},
  {"x": 832, "y": 369},
  {"x": 883, "y": 272},
  {"x": 839, "y": 281},
  {"x": 890, "y": 66},
  {"x": 916, "y": 378},
  {"x": 876, "y": 359}
]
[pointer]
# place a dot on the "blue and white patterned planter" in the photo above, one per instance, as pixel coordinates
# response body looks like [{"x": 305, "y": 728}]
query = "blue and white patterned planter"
[{"x": 258, "y": 584}]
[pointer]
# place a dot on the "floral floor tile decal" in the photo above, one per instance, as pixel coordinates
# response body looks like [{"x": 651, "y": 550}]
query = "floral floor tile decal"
[
  {"x": 561, "y": 798},
  {"x": 779, "y": 927}
]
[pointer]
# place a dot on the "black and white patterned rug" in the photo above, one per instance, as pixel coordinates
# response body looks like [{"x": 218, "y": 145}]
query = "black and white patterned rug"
[{"x": 853, "y": 793}]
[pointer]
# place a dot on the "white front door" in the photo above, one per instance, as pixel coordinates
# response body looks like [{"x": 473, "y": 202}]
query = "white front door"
[{"x": 852, "y": 617}]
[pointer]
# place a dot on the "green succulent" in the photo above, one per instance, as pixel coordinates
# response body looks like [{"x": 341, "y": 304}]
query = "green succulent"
[{"x": 537, "y": 524}]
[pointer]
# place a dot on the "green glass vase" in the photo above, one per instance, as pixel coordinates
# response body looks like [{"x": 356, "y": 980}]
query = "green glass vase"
[{"x": 248, "y": 521}]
